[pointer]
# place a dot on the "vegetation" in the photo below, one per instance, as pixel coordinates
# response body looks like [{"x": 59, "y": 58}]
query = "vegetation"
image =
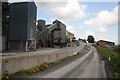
[
  {"x": 113, "y": 55},
  {"x": 35, "y": 69},
  {"x": 90, "y": 39},
  {"x": 83, "y": 40}
]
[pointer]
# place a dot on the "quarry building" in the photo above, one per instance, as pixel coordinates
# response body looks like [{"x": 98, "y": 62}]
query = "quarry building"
[{"x": 26, "y": 33}]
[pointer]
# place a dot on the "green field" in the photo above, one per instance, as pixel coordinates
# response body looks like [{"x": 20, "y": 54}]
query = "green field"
[{"x": 113, "y": 55}]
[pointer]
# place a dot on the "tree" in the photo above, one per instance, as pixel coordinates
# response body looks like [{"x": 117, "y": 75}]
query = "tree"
[
  {"x": 90, "y": 39},
  {"x": 73, "y": 40},
  {"x": 84, "y": 40}
]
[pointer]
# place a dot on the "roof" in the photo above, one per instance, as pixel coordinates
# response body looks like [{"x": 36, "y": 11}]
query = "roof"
[
  {"x": 105, "y": 41},
  {"x": 19, "y": 2},
  {"x": 59, "y": 22},
  {"x": 15, "y": 3}
]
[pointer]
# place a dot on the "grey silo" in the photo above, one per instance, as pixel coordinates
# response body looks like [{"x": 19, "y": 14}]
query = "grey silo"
[
  {"x": 0, "y": 18},
  {"x": 41, "y": 25},
  {"x": 22, "y": 26}
]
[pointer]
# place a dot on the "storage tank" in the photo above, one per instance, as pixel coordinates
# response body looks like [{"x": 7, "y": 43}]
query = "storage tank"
[
  {"x": 41, "y": 25},
  {"x": 1, "y": 27},
  {"x": 22, "y": 28}
]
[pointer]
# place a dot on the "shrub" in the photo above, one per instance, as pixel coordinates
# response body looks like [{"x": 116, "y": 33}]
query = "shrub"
[
  {"x": 32, "y": 70},
  {"x": 43, "y": 66},
  {"x": 6, "y": 76}
]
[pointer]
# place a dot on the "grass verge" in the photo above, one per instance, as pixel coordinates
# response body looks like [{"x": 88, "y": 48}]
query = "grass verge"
[{"x": 113, "y": 56}]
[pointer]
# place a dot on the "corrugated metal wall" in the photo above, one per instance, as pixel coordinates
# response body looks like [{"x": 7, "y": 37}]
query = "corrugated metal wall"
[
  {"x": 63, "y": 32},
  {"x": 18, "y": 21},
  {"x": 0, "y": 18},
  {"x": 22, "y": 26},
  {"x": 22, "y": 17},
  {"x": 32, "y": 14}
]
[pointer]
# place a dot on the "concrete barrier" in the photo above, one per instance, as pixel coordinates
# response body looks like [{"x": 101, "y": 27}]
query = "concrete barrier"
[{"x": 18, "y": 63}]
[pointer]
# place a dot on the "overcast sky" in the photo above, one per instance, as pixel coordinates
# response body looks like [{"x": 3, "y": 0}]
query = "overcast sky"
[{"x": 99, "y": 19}]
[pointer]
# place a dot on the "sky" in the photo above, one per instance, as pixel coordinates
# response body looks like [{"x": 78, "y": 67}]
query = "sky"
[{"x": 94, "y": 17}]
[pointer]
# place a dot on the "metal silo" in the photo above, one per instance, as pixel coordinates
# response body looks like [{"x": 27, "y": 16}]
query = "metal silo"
[
  {"x": 22, "y": 26},
  {"x": 41, "y": 25}
]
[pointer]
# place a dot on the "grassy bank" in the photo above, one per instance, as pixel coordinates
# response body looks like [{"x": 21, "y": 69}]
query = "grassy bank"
[{"x": 113, "y": 55}]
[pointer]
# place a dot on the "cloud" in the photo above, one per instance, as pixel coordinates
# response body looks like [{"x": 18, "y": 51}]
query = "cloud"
[
  {"x": 101, "y": 29},
  {"x": 90, "y": 33},
  {"x": 70, "y": 28},
  {"x": 78, "y": 0},
  {"x": 50, "y": 0},
  {"x": 105, "y": 18},
  {"x": 103, "y": 38},
  {"x": 63, "y": 11},
  {"x": 71, "y": 9}
]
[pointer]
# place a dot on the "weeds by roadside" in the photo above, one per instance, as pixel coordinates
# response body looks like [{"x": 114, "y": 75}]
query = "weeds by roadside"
[{"x": 113, "y": 56}]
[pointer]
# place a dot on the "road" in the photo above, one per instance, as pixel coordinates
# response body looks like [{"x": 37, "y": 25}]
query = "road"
[
  {"x": 42, "y": 51},
  {"x": 88, "y": 66}
]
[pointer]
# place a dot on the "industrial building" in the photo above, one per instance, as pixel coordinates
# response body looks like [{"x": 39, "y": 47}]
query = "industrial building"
[
  {"x": 4, "y": 13},
  {"x": 42, "y": 34},
  {"x": 70, "y": 36},
  {"x": 59, "y": 34},
  {"x": 22, "y": 29},
  {"x": 25, "y": 35},
  {"x": 1, "y": 27},
  {"x": 41, "y": 25},
  {"x": 51, "y": 35},
  {"x": 105, "y": 43}
]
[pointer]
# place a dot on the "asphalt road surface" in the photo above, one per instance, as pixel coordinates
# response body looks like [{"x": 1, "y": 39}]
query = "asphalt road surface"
[{"x": 88, "y": 66}]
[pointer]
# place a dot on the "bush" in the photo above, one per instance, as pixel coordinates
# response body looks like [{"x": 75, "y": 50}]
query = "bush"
[
  {"x": 6, "y": 76},
  {"x": 43, "y": 66},
  {"x": 32, "y": 70}
]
